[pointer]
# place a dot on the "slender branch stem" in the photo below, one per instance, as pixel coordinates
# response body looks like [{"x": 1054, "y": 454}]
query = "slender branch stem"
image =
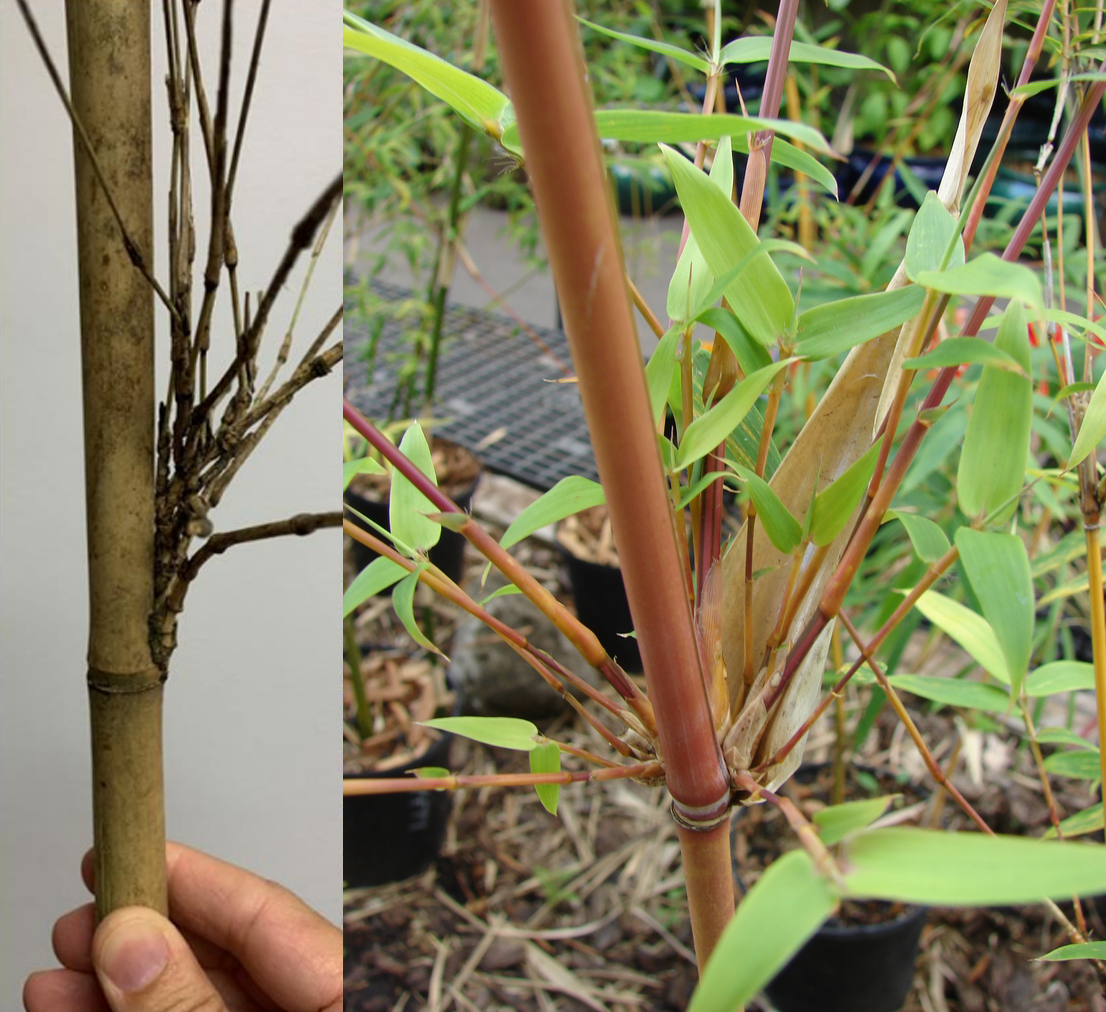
[
  {"x": 648, "y": 771},
  {"x": 134, "y": 250}
]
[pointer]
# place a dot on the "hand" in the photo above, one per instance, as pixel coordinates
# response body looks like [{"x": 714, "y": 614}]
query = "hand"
[{"x": 248, "y": 945}]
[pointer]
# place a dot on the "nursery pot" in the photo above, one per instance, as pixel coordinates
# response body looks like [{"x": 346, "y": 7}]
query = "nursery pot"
[
  {"x": 600, "y": 598},
  {"x": 847, "y": 967},
  {"x": 449, "y": 553},
  {"x": 852, "y": 968},
  {"x": 388, "y": 837}
]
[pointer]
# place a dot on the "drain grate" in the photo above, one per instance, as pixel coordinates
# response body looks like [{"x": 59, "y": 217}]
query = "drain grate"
[{"x": 495, "y": 393}]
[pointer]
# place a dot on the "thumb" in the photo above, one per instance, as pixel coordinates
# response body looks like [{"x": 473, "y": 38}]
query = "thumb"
[{"x": 145, "y": 965}]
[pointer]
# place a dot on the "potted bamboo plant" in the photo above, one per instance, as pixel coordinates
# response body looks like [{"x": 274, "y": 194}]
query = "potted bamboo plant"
[{"x": 734, "y": 646}]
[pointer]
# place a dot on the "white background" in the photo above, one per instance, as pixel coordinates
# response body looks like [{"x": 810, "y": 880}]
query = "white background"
[{"x": 252, "y": 703}]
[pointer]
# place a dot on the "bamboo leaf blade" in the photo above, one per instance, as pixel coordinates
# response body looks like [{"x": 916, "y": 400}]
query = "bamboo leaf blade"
[
  {"x": 1060, "y": 676},
  {"x": 997, "y": 566},
  {"x": 569, "y": 496},
  {"x": 970, "y": 630},
  {"x": 407, "y": 506},
  {"x": 501, "y": 732},
  {"x": 783, "y": 530},
  {"x": 785, "y": 907},
  {"x": 378, "y": 575},
  {"x": 709, "y": 430},
  {"x": 546, "y": 758},
  {"x": 988, "y": 274},
  {"x": 664, "y": 48},
  {"x": 996, "y": 444},
  {"x": 964, "y": 351},
  {"x": 961, "y": 692},
  {"x": 838, "y": 821},
  {"x": 834, "y": 327},
  {"x": 929, "y": 238},
  {"x": 482, "y": 105},
  {"x": 759, "y": 296},
  {"x": 969, "y": 869},
  {"x": 757, "y": 48},
  {"x": 929, "y": 541},
  {"x": 835, "y": 504},
  {"x": 1093, "y": 428}
]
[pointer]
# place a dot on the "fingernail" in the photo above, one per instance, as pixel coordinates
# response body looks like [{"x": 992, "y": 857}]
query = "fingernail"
[{"x": 133, "y": 955}]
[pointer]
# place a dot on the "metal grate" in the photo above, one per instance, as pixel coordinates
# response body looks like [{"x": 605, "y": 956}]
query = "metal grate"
[{"x": 494, "y": 395}]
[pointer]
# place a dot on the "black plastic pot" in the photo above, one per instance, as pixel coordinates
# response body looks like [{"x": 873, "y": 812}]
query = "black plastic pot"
[
  {"x": 600, "y": 598},
  {"x": 861, "y": 968},
  {"x": 852, "y": 170},
  {"x": 388, "y": 837},
  {"x": 448, "y": 554},
  {"x": 851, "y": 968}
]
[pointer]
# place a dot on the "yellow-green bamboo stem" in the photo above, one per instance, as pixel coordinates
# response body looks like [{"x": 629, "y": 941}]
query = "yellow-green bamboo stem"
[{"x": 109, "y": 69}]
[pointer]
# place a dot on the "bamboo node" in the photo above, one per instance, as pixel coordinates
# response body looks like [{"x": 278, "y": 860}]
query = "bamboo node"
[
  {"x": 690, "y": 818},
  {"x": 126, "y": 683}
]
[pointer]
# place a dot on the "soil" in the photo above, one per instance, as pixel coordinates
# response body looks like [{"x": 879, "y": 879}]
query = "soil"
[
  {"x": 587, "y": 910},
  {"x": 455, "y": 469},
  {"x": 401, "y": 694},
  {"x": 588, "y": 535}
]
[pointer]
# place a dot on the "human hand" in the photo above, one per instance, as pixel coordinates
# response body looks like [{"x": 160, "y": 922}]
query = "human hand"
[{"x": 244, "y": 945}]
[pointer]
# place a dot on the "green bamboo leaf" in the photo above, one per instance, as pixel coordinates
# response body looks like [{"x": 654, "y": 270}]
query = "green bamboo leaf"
[
  {"x": 407, "y": 506},
  {"x": 786, "y": 906},
  {"x": 969, "y": 869},
  {"x": 1061, "y": 736},
  {"x": 664, "y": 48},
  {"x": 546, "y": 758},
  {"x": 963, "y": 350},
  {"x": 1083, "y": 950},
  {"x": 834, "y": 327},
  {"x": 1082, "y": 764},
  {"x": 929, "y": 237},
  {"x": 570, "y": 495},
  {"x": 502, "y": 732},
  {"x": 1087, "y": 821},
  {"x": 660, "y": 370},
  {"x": 1075, "y": 324},
  {"x": 759, "y": 296},
  {"x": 431, "y": 772},
  {"x": 996, "y": 444},
  {"x": 1059, "y": 676},
  {"x": 835, "y": 504},
  {"x": 403, "y": 602},
  {"x": 1093, "y": 429},
  {"x": 476, "y": 101},
  {"x": 723, "y": 281},
  {"x": 786, "y": 154},
  {"x": 954, "y": 691},
  {"x": 988, "y": 274},
  {"x": 1036, "y": 87},
  {"x": 970, "y": 630},
  {"x": 928, "y": 539},
  {"x": 998, "y": 570},
  {"x": 756, "y": 49},
  {"x": 696, "y": 488},
  {"x": 691, "y": 280},
  {"x": 378, "y": 575},
  {"x": 366, "y": 465},
  {"x": 838, "y": 821},
  {"x": 707, "y": 431},
  {"x": 783, "y": 530},
  {"x": 750, "y": 355},
  {"x": 648, "y": 126}
]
